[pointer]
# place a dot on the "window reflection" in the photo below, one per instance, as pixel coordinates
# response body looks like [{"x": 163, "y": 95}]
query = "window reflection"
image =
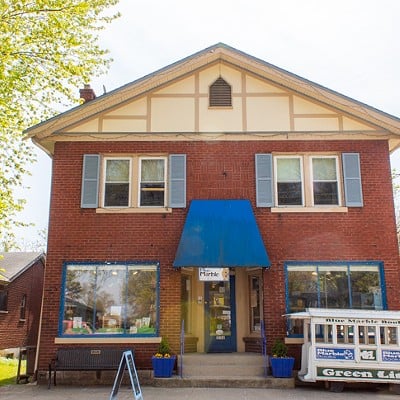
[
  {"x": 347, "y": 285},
  {"x": 110, "y": 299}
]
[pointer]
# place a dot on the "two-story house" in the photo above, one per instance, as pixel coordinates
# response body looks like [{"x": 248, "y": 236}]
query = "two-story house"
[{"x": 221, "y": 191}]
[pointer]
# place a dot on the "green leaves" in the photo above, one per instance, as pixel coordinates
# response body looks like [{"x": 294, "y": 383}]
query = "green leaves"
[{"x": 48, "y": 49}]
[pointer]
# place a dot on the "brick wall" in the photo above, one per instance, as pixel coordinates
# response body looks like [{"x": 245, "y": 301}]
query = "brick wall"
[
  {"x": 216, "y": 170},
  {"x": 13, "y": 331}
]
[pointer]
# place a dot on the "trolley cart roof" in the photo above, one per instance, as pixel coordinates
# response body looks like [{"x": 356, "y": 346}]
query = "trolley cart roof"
[{"x": 345, "y": 313}]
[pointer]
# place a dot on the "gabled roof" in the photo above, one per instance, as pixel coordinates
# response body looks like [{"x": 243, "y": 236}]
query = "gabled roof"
[
  {"x": 15, "y": 264},
  {"x": 217, "y": 53}
]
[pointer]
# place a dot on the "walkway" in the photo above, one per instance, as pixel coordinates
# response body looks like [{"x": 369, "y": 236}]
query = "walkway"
[{"x": 34, "y": 392}]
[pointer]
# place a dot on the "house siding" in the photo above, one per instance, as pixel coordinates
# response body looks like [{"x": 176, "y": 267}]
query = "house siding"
[{"x": 215, "y": 170}]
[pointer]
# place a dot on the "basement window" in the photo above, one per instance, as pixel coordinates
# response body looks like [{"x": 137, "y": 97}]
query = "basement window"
[{"x": 220, "y": 94}]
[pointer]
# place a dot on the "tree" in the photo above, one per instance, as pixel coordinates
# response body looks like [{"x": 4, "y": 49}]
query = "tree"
[{"x": 48, "y": 48}]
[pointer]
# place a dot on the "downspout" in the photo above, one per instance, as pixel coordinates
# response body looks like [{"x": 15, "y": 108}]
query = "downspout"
[{"x": 40, "y": 329}]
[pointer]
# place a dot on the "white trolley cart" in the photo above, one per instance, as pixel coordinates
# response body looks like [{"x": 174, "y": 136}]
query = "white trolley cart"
[{"x": 350, "y": 346}]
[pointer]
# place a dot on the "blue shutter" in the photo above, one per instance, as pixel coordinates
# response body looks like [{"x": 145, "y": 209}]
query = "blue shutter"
[
  {"x": 264, "y": 181},
  {"x": 352, "y": 180},
  {"x": 90, "y": 181},
  {"x": 177, "y": 181}
]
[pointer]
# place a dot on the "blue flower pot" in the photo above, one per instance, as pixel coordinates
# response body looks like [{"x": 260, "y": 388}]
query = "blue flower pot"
[
  {"x": 282, "y": 367},
  {"x": 163, "y": 367}
]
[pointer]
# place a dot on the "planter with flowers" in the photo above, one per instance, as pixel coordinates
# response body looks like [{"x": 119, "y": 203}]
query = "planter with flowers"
[
  {"x": 281, "y": 364},
  {"x": 163, "y": 362}
]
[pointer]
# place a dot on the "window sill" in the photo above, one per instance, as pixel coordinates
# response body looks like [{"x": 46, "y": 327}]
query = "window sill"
[
  {"x": 135, "y": 210},
  {"x": 294, "y": 340},
  {"x": 22, "y": 320},
  {"x": 220, "y": 107},
  {"x": 3, "y": 312},
  {"x": 309, "y": 209},
  {"x": 107, "y": 340},
  {"x": 252, "y": 335}
]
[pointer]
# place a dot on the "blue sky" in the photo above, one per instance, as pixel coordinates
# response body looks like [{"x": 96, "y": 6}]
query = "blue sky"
[{"x": 350, "y": 46}]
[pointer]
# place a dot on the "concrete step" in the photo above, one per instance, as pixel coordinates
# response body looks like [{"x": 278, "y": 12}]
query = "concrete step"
[
  {"x": 222, "y": 370},
  {"x": 234, "y": 382},
  {"x": 228, "y": 365},
  {"x": 146, "y": 379}
]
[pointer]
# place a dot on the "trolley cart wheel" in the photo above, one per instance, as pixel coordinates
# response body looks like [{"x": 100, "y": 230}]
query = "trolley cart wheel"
[{"x": 336, "y": 387}]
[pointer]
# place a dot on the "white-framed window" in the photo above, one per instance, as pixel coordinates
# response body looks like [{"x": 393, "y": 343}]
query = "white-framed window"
[
  {"x": 117, "y": 182},
  {"x": 289, "y": 181},
  {"x": 109, "y": 299},
  {"x": 325, "y": 180},
  {"x": 125, "y": 182},
  {"x": 134, "y": 182},
  {"x": 307, "y": 180},
  {"x": 152, "y": 182},
  {"x": 315, "y": 182}
]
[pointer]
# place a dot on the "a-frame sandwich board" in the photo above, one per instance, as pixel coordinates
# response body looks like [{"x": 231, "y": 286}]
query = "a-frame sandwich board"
[{"x": 128, "y": 362}]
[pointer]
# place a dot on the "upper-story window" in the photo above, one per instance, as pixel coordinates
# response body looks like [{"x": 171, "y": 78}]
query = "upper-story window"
[
  {"x": 136, "y": 181},
  {"x": 152, "y": 182},
  {"x": 289, "y": 181},
  {"x": 220, "y": 94},
  {"x": 117, "y": 184},
  {"x": 322, "y": 182},
  {"x": 325, "y": 185},
  {"x": 307, "y": 180}
]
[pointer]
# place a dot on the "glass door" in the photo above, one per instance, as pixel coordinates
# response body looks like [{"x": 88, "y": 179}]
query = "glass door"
[{"x": 220, "y": 330}]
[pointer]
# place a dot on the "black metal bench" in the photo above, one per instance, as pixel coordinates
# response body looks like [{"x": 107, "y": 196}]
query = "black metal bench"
[{"x": 84, "y": 359}]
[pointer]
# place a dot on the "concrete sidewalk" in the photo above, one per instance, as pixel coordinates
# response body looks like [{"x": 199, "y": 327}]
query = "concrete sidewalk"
[{"x": 34, "y": 392}]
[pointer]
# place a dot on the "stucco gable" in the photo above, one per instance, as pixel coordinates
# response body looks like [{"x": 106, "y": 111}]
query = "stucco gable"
[
  {"x": 174, "y": 99},
  {"x": 258, "y": 106}
]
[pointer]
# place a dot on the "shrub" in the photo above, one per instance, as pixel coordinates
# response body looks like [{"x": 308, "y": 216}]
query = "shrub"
[
  {"x": 163, "y": 349},
  {"x": 279, "y": 349}
]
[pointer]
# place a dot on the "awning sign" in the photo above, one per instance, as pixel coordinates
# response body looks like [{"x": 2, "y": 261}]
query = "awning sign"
[{"x": 214, "y": 274}]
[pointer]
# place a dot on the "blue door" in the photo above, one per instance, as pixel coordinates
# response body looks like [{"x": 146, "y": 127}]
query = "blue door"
[{"x": 220, "y": 316}]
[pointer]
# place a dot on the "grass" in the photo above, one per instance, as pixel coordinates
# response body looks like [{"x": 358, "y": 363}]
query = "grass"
[{"x": 9, "y": 369}]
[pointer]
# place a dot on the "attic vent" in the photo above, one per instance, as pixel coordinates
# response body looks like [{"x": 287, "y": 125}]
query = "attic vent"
[{"x": 220, "y": 94}]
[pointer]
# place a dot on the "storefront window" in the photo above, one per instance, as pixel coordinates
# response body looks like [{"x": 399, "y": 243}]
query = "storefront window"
[
  {"x": 333, "y": 285},
  {"x": 111, "y": 299}
]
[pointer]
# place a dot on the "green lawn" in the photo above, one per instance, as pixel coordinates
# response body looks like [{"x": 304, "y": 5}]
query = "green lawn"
[{"x": 8, "y": 370}]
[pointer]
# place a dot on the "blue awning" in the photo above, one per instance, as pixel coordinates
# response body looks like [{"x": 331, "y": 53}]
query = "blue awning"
[{"x": 221, "y": 233}]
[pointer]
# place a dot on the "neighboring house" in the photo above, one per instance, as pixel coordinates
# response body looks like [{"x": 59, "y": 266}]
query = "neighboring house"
[
  {"x": 221, "y": 191},
  {"x": 21, "y": 287}
]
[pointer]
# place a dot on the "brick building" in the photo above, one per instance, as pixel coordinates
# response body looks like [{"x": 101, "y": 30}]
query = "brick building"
[
  {"x": 21, "y": 285},
  {"x": 221, "y": 191}
]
